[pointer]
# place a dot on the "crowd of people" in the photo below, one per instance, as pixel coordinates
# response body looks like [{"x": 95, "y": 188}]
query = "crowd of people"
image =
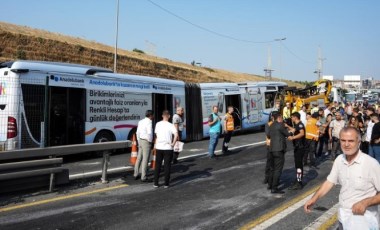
[
  {"x": 347, "y": 134},
  {"x": 167, "y": 134}
]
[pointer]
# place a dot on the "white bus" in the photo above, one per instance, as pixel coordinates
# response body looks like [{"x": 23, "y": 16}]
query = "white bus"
[
  {"x": 258, "y": 102},
  {"x": 252, "y": 102},
  {"x": 84, "y": 104}
]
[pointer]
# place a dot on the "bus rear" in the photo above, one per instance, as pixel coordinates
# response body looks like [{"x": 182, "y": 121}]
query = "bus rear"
[{"x": 9, "y": 107}]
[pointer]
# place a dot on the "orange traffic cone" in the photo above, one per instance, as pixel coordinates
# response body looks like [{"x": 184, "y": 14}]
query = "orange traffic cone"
[
  {"x": 133, "y": 158},
  {"x": 153, "y": 161}
]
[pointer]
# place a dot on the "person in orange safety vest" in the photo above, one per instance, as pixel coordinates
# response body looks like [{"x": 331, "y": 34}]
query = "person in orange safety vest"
[
  {"x": 229, "y": 127},
  {"x": 312, "y": 135}
]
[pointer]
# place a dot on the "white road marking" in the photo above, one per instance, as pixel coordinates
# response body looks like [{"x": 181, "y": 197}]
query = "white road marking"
[
  {"x": 130, "y": 168},
  {"x": 266, "y": 224},
  {"x": 322, "y": 219}
]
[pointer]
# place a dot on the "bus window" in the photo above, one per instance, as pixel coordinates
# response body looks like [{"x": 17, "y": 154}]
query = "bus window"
[
  {"x": 269, "y": 99},
  {"x": 66, "y": 123},
  {"x": 34, "y": 99}
]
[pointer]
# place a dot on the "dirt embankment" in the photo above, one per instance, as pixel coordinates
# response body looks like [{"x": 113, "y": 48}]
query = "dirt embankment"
[{"x": 20, "y": 42}]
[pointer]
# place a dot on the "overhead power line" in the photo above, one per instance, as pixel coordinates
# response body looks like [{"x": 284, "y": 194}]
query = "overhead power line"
[
  {"x": 295, "y": 55},
  {"x": 224, "y": 35},
  {"x": 206, "y": 29}
]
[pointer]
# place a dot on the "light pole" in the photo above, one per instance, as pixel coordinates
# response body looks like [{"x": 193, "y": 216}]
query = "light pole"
[
  {"x": 319, "y": 70},
  {"x": 268, "y": 70},
  {"x": 117, "y": 31},
  {"x": 280, "y": 40}
]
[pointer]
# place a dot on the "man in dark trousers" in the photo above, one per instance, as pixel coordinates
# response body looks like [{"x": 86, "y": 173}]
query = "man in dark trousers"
[
  {"x": 229, "y": 128},
  {"x": 277, "y": 135},
  {"x": 299, "y": 143}
]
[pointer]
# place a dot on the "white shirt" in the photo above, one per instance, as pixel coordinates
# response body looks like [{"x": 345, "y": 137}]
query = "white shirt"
[
  {"x": 164, "y": 131},
  {"x": 144, "y": 130},
  {"x": 303, "y": 117},
  {"x": 326, "y": 112},
  {"x": 336, "y": 127},
  {"x": 369, "y": 131},
  {"x": 177, "y": 119},
  {"x": 359, "y": 180}
]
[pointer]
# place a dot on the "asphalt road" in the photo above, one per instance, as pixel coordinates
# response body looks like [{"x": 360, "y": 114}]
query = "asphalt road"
[{"x": 222, "y": 193}]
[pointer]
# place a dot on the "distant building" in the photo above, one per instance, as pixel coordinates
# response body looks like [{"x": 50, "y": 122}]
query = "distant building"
[{"x": 352, "y": 81}]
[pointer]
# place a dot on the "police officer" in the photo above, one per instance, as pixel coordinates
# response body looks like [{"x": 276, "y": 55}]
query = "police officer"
[{"x": 298, "y": 139}]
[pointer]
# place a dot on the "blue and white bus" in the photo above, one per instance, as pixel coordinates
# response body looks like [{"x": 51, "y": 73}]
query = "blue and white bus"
[
  {"x": 49, "y": 104},
  {"x": 84, "y": 104}
]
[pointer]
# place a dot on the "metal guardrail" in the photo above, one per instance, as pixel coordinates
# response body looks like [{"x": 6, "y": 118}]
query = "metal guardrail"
[
  {"x": 63, "y": 150},
  {"x": 31, "y": 168}
]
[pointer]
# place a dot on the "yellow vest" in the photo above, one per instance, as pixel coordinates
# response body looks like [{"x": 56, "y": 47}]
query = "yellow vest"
[
  {"x": 312, "y": 130},
  {"x": 230, "y": 122},
  {"x": 286, "y": 113}
]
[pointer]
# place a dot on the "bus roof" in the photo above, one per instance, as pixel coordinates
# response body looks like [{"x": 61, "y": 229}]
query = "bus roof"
[
  {"x": 142, "y": 79},
  {"x": 218, "y": 85},
  {"x": 262, "y": 83},
  {"x": 26, "y": 66}
]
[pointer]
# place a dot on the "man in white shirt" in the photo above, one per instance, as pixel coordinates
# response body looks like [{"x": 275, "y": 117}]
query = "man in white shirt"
[
  {"x": 334, "y": 129},
  {"x": 327, "y": 111},
  {"x": 166, "y": 137},
  {"x": 359, "y": 176},
  {"x": 178, "y": 124},
  {"x": 144, "y": 135},
  {"x": 303, "y": 114}
]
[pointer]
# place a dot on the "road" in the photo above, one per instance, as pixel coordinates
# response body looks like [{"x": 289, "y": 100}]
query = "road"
[{"x": 222, "y": 193}]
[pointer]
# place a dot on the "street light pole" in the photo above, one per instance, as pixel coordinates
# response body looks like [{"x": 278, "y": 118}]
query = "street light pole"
[
  {"x": 280, "y": 40},
  {"x": 117, "y": 32}
]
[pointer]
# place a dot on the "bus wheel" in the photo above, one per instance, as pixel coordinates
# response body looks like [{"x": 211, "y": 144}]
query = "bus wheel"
[{"x": 103, "y": 136}]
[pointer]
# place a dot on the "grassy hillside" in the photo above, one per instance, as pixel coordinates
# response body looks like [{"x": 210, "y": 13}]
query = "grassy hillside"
[{"x": 20, "y": 42}]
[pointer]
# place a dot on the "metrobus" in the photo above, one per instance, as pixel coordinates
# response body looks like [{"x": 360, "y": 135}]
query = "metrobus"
[
  {"x": 252, "y": 103},
  {"x": 86, "y": 104}
]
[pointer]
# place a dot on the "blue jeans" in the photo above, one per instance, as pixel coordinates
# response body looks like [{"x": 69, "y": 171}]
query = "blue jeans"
[
  {"x": 214, "y": 137},
  {"x": 374, "y": 151}
]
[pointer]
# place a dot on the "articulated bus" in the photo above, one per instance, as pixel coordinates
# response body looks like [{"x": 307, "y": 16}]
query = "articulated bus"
[
  {"x": 252, "y": 103},
  {"x": 86, "y": 104}
]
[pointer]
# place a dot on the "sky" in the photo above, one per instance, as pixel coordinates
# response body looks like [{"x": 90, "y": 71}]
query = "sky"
[{"x": 235, "y": 35}]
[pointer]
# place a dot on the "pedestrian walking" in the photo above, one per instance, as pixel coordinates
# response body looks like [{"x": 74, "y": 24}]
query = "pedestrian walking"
[
  {"x": 215, "y": 127},
  {"x": 277, "y": 134},
  {"x": 359, "y": 176},
  {"x": 298, "y": 139},
  {"x": 144, "y": 135},
  {"x": 334, "y": 130},
  {"x": 229, "y": 128},
  {"x": 178, "y": 124},
  {"x": 166, "y": 137}
]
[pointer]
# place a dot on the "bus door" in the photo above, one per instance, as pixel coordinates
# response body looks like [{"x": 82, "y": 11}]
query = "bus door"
[
  {"x": 67, "y": 116},
  {"x": 162, "y": 102},
  {"x": 234, "y": 101}
]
